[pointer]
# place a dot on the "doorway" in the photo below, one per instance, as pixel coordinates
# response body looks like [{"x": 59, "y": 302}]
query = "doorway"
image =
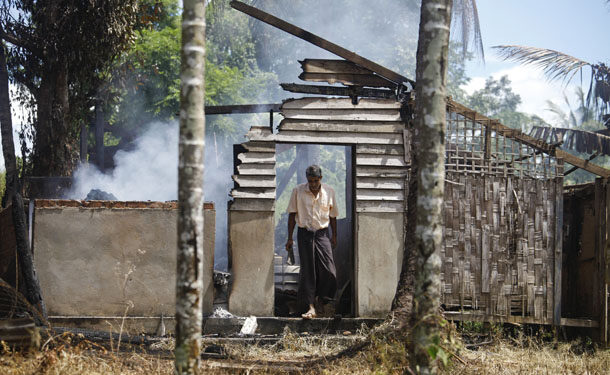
[{"x": 336, "y": 164}]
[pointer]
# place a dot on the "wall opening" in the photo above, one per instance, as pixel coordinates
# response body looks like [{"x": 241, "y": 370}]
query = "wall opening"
[{"x": 336, "y": 163}]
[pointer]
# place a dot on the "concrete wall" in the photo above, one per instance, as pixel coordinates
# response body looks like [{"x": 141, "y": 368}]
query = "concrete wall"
[
  {"x": 378, "y": 260},
  {"x": 251, "y": 238},
  {"x": 111, "y": 258}
]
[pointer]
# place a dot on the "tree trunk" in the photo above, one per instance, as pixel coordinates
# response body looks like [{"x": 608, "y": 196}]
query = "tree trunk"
[
  {"x": 6, "y": 131},
  {"x": 403, "y": 300},
  {"x": 429, "y": 134},
  {"x": 189, "y": 284},
  {"x": 55, "y": 148},
  {"x": 12, "y": 195}
]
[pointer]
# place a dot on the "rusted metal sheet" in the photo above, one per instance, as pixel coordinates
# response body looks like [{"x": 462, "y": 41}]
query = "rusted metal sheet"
[{"x": 350, "y": 91}]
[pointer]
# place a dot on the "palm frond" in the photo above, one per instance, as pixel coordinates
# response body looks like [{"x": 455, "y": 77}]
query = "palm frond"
[
  {"x": 555, "y": 64},
  {"x": 466, "y": 15}
]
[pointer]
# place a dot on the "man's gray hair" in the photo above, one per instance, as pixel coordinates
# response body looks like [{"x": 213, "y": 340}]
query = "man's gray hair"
[{"x": 313, "y": 171}]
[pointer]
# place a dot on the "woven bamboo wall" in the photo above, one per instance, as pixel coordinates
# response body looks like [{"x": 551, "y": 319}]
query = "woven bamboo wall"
[{"x": 500, "y": 227}]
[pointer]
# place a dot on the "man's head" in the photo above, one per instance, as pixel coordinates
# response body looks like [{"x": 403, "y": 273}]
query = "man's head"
[{"x": 314, "y": 177}]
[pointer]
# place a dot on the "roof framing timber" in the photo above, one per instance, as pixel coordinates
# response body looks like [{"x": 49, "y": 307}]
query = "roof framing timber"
[
  {"x": 399, "y": 79},
  {"x": 321, "y": 42},
  {"x": 518, "y": 135}
]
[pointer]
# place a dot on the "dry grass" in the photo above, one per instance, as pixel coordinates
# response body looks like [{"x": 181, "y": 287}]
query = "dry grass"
[{"x": 313, "y": 354}]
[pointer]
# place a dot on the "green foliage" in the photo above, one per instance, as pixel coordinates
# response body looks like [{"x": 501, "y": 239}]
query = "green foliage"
[
  {"x": 151, "y": 84},
  {"x": 456, "y": 73},
  {"x": 497, "y": 100}
]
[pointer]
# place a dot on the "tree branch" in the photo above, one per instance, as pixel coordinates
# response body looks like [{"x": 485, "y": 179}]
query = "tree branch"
[{"x": 13, "y": 39}]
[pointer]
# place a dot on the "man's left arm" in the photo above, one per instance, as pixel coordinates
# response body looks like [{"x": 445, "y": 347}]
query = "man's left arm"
[
  {"x": 334, "y": 212},
  {"x": 333, "y": 226}
]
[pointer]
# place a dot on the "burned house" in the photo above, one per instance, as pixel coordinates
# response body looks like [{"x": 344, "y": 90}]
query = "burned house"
[
  {"x": 518, "y": 247},
  {"x": 510, "y": 254}
]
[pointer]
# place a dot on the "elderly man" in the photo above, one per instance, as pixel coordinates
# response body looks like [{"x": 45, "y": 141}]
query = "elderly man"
[{"x": 313, "y": 208}]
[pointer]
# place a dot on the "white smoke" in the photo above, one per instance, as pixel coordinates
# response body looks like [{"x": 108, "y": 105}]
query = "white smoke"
[{"x": 149, "y": 172}]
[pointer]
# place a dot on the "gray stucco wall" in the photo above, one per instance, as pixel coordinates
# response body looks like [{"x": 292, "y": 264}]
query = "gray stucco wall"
[
  {"x": 251, "y": 236},
  {"x": 378, "y": 258},
  {"x": 111, "y": 261}
]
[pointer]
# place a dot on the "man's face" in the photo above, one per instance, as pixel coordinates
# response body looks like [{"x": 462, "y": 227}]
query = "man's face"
[{"x": 314, "y": 183}]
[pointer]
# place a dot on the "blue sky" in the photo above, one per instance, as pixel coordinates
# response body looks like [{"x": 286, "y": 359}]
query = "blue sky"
[{"x": 575, "y": 27}]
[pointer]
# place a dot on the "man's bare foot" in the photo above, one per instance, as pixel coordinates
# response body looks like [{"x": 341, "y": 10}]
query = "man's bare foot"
[{"x": 310, "y": 314}]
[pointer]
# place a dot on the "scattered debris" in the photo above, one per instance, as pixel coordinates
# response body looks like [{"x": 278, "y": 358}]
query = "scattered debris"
[
  {"x": 249, "y": 326},
  {"x": 219, "y": 312},
  {"x": 100, "y": 195}
]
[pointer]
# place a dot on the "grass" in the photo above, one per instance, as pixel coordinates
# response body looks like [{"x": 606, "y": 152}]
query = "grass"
[{"x": 313, "y": 354}]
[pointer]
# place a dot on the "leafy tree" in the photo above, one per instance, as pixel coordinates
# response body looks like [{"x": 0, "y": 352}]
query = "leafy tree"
[
  {"x": 57, "y": 50},
  {"x": 456, "y": 72},
  {"x": 150, "y": 80},
  {"x": 497, "y": 100}
]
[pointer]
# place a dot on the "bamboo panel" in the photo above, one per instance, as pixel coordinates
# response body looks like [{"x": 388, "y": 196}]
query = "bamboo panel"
[{"x": 499, "y": 246}]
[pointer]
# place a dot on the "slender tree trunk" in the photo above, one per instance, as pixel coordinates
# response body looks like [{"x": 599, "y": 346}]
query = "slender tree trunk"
[
  {"x": 189, "y": 284},
  {"x": 6, "y": 129},
  {"x": 12, "y": 194},
  {"x": 429, "y": 134}
]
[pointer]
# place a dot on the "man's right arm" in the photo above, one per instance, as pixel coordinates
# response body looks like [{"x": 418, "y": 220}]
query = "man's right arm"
[{"x": 291, "y": 224}]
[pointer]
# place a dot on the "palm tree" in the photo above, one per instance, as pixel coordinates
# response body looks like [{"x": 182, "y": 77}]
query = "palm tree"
[
  {"x": 429, "y": 124},
  {"x": 581, "y": 116},
  {"x": 560, "y": 66}
]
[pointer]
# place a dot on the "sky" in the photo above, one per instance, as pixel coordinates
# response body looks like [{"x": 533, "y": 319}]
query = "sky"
[{"x": 575, "y": 27}]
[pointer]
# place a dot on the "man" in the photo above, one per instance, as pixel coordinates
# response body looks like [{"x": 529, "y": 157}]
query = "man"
[{"x": 313, "y": 208}]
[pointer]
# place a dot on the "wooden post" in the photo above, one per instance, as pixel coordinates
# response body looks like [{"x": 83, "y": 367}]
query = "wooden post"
[
  {"x": 605, "y": 265},
  {"x": 558, "y": 244},
  {"x": 600, "y": 246}
]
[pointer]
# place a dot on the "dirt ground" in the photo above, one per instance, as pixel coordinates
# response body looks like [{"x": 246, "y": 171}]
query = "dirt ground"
[{"x": 364, "y": 353}]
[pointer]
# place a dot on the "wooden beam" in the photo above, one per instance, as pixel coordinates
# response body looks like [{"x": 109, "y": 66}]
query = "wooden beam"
[
  {"x": 586, "y": 323},
  {"x": 351, "y": 91},
  {"x": 596, "y": 154},
  {"x": 241, "y": 108},
  {"x": 347, "y": 79},
  {"x": 332, "y": 66},
  {"x": 518, "y": 135},
  {"x": 321, "y": 42},
  {"x": 582, "y": 164}
]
